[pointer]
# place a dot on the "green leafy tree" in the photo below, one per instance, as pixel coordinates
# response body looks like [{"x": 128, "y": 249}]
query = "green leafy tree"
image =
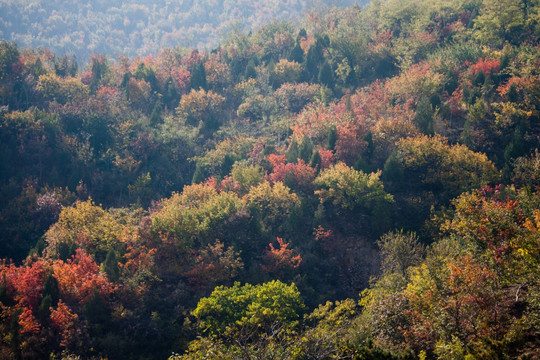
[
  {"x": 196, "y": 217},
  {"x": 345, "y": 191},
  {"x": 273, "y": 204},
  {"x": 87, "y": 226},
  {"x": 431, "y": 164},
  {"x": 9, "y": 55},
  {"x": 62, "y": 90},
  {"x": 500, "y": 21},
  {"x": 244, "y": 313},
  {"x": 247, "y": 175},
  {"x": 399, "y": 251},
  {"x": 347, "y": 188}
]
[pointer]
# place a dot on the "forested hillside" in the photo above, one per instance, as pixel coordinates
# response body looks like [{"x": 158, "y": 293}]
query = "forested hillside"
[
  {"x": 363, "y": 185},
  {"x": 131, "y": 28}
]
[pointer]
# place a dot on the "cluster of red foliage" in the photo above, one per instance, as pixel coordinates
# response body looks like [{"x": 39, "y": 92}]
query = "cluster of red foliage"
[
  {"x": 64, "y": 320},
  {"x": 302, "y": 172},
  {"x": 327, "y": 158},
  {"x": 519, "y": 84},
  {"x": 79, "y": 278},
  {"x": 282, "y": 260},
  {"x": 326, "y": 237},
  {"x": 487, "y": 66},
  {"x": 350, "y": 143},
  {"x": 24, "y": 283},
  {"x": 180, "y": 78}
]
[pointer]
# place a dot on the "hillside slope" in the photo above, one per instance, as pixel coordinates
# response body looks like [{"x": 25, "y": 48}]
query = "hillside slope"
[{"x": 138, "y": 28}]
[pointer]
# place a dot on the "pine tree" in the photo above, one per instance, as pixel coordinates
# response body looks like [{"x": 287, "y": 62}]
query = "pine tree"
[
  {"x": 290, "y": 180},
  {"x": 513, "y": 94},
  {"x": 370, "y": 146},
  {"x": 292, "y": 154},
  {"x": 480, "y": 78},
  {"x": 424, "y": 116},
  {"x": 392, "y": 170},
  {"x": 110, "y": 266},
  {"x": 466, "y": 137},
  {"x": 331, "y": 138},
  {"x": 44, "y": 306},
  {"x": 61, "y": 65},
  {"x": 171, "y": 96},
  {"x": 326, "y": 75},
  {"x": 297, "y": 54},
  {"x": 51, "y": 288},
  {"x": 66, "y": 251},
  {"x": 306, "y": 149},
  {"x": 73, "y": 67},
  {"x": 316, "y": 160},
  {"x": 155, "y": 117},
  {"x": 99, "y": 68},
  {"x": 250, "y": 72},
  {"x": 226, "y": 165},
  {"x": 210, "y": 125},
  {"x": 125, "y": 83},
  {"x": 198, "y": 77},
  {"x": 302, "y": 34},
  {"x": 198, "y": 175},
  {"x": 313, "y": 59}
]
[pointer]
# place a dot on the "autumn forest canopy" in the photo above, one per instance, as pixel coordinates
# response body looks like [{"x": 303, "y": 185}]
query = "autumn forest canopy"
[{"x": 359, "y": 183}]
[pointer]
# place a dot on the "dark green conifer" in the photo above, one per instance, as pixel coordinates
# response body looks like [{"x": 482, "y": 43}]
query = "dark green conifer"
[
  {"x": 302, "y": 34},
  {"x": 424, "y": 116},
  {"x": 480, "y": 78},
  {"x": 171, "y": 95},
  {"x": 198, "y": 175},
  {"x": 250, "y": 72},
  {"x": 290, "y": 180},
  {"x": 306, "y": 149},
  {"x": 226, "y": 165},
  {"x": 292, "y": 154},
  {"x": 51, "y": 288},
  {"x": 155, "y": 117},
  {"x": 316, "y": 160},
  {"x": 368, "y": 138},
  {"x": 326, "y": 75},
  {"x": 110, "y": 266},
  {"x": 198, "y": 77},
  {"x": 331, "y": 138},
  {"x": 393, "y": 170},
  {"x": 466, "y": 137},
  {"x": 44, "y": 306},
  {"x": 313, "y": 59},
  {"x": 513, "y": 94},
  {"x": 297, "y": 54},
  {"x": 65, "y": 251}
]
